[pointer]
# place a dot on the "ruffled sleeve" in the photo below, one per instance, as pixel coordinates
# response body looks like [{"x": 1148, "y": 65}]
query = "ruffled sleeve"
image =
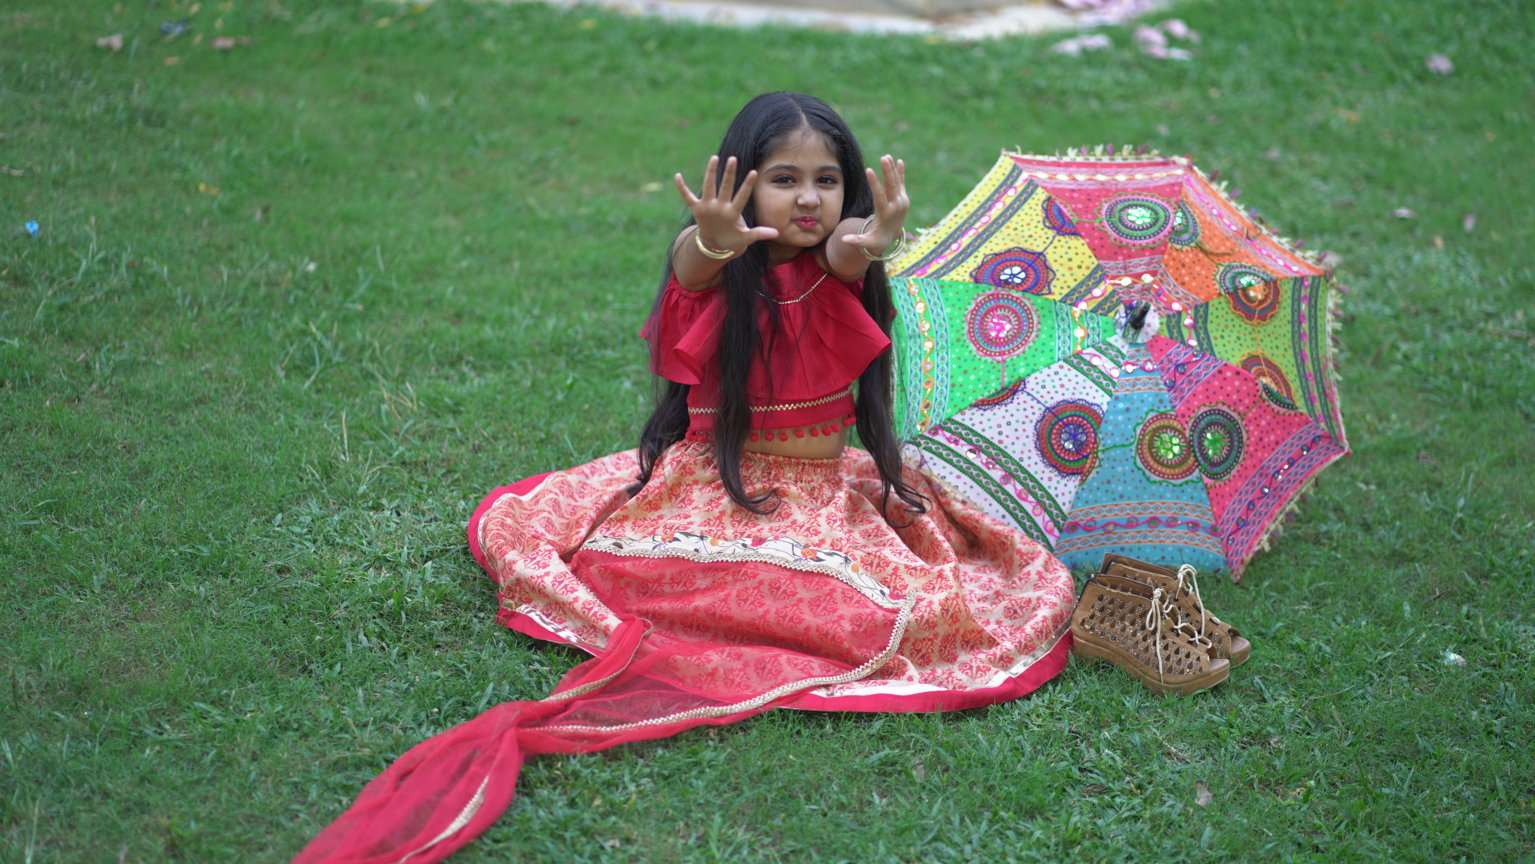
[
  {"x": 832, "y": 341},
  {"x": 683, "y": 332}
]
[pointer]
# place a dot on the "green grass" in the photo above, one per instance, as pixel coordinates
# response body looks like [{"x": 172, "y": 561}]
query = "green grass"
[{"x": 239, "y": 452}]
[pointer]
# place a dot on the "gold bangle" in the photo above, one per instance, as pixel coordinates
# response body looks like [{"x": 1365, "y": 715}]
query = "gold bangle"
[
  {"x": 698, "y": 240},
  {"x": 895, "y": 249}
]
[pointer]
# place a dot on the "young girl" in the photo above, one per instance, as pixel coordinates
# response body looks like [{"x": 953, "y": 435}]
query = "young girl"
[{"x": 741, "y": 559}]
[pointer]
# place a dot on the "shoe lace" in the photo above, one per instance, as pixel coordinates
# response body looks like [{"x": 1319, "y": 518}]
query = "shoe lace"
[
  {"x": 1154, "y": 618},
  {"x": 1188, "y": 583}
]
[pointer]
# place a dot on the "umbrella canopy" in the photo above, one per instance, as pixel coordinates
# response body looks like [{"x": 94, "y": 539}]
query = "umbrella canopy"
[{"x": 1111, "y": 355}]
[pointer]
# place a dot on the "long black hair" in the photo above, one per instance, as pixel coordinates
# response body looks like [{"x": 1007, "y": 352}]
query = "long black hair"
[{"x": 762, "y": 125}]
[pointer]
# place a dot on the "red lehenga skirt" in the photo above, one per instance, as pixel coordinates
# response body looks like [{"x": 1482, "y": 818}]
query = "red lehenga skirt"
[{"x": 697, "y": 612}]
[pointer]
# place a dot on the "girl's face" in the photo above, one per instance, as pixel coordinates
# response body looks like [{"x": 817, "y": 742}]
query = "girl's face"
[{"x": 799, "y": 192}]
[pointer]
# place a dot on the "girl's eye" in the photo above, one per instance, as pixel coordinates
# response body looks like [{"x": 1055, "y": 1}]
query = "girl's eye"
[
  {"x": 783, "y": 179},
  {"x": 829, "y": 181}
]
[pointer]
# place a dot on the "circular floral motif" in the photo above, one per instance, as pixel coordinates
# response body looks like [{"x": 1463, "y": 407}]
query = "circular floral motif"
[
  {"x": 1016, "y": 269},
  {"x": 1138, "y": 219},
  {"x": 1067, "y": 437},
  {"x": 1058, "y": 220},
  {"x": 1001, "y": 397},
  {"x": 1000, "y": 325},
  {"x": 1253, "y": 293},
  {"x": 1218, "y": 442},
  {"x": 1185, "y": 231},
  {"x": 1162, "y": 448}
]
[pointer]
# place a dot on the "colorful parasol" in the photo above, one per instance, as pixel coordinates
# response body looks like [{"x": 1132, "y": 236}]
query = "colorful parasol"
[{"x": 1110, "y": 354}]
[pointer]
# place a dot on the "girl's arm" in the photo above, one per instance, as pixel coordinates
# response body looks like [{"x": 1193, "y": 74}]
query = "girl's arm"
[
  {"x": 846, "y": 248},
  {"x": 719, "y": 226}
]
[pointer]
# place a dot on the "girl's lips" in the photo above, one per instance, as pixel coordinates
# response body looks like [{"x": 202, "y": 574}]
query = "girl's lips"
[{"x": 807, "y": 222}]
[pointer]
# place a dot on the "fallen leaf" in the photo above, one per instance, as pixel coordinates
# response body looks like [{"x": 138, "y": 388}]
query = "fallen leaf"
[
  {"x": 208, "y": 189},
  {"x": 14, "y": 172},
  {"x": 1452, "y": 659},
  {"x": 1092, "y": 789},
  {"x": 1202, "y": 795},
  {"x": 1438, "y": 242},
  {"x": 1404, "y": 213},
  {"x": 262, "y": 211},
  {"x": 1468, "y": 222},
  {"x": 588, "y": 23},
  {"x": 1348, "y": 115},
  {"x": 223, "y": 43},
  {"x": 1273, "y": 154},
  {"x": 113, "y": 43},
  {"x": 172, "y": 60},
  {"x": 652, "y": 186},
  {"x": 1439, "y": 64},
  {"x": 1163, "y": 130}
]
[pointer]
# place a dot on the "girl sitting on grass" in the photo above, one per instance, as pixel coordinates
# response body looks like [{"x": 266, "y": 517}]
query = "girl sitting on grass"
[{"x": 742, "y": 558}]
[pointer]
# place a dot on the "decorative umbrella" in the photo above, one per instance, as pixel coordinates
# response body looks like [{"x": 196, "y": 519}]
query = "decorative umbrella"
[{"x": 1110, "y": 354}]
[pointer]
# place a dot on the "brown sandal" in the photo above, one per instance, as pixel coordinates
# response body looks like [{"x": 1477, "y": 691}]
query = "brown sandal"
[
  {"x": 1133, "y": 625},
  {"x": 1182, "y": 587}
]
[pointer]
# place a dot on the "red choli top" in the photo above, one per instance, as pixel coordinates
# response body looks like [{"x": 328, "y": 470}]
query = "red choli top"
[{"x": 823, "y": 341}]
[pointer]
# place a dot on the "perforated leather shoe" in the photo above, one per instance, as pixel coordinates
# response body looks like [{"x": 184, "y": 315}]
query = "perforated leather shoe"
[
  {"x": 1182, "y": 587},
  {"x": 1133, "y": 625}
]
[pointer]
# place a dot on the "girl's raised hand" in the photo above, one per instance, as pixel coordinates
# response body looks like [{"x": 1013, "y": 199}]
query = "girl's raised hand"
[
  {"x": 718, "y": 213},
  {"x": 890, "y": 206}
]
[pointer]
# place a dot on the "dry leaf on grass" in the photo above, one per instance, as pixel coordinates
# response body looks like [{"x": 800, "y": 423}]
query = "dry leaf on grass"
[
  {"x": 113, "y": 43},
  {"x": 1202, "y": 795}
]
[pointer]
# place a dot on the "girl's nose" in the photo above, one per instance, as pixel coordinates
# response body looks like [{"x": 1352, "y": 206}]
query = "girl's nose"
[{"x": 809, "y": 198}]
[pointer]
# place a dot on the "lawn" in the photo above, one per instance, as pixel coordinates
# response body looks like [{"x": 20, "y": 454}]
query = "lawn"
[{"x": 291, "y": 308}]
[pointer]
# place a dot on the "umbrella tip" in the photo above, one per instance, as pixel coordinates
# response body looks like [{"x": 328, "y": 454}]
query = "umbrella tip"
[{"x": 1138, "y": 314}]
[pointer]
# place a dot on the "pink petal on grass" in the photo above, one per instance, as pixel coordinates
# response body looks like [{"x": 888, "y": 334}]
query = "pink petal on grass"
[
  {"x": 1146, "y": 37},
  {"x": 1077, "y": 44},
  {"x": 1468, "y": 222},
  {"x": 1439, "y": 64},
  {"x": 113, "y": 43},
  {"x": 1175, "y": 28},
  {"x": 1404, "y": 213}
]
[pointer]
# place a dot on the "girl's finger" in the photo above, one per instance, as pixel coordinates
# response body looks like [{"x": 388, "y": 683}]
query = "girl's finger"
[
  {"x": 728, "y": 179},
  {"x": 900, "y": 170},
  {"x": 877, "y": 190},
  {"x": 707, "y": 194},
  {"x": 762, "y": 232},
  {"x": 738, "y": 203},
  {"x": 892, "y": 183},
  {"x": 682, "y": 188}
]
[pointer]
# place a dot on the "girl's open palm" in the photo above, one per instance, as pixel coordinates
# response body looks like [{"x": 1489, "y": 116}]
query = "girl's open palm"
[
  {"x": 890, "y": 206},
  {"x": 718, "y": 213}
]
